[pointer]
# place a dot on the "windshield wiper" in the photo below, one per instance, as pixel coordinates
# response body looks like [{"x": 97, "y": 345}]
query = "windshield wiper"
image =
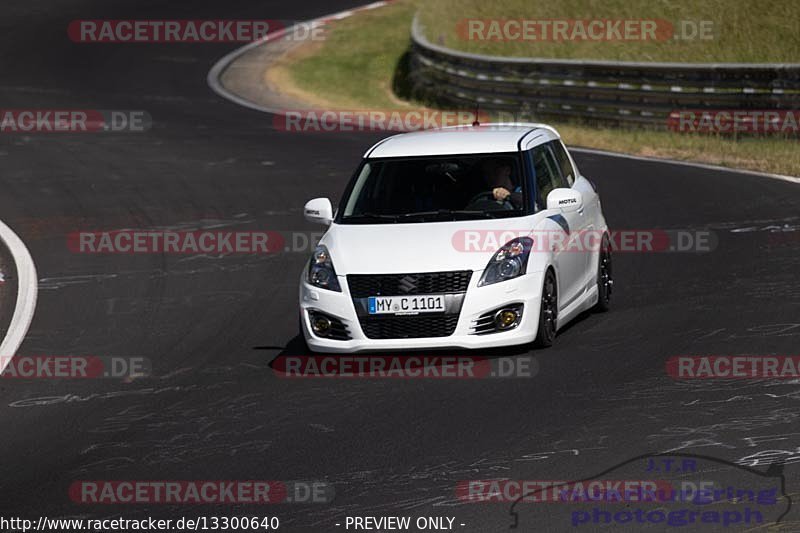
[
  {"x": 371, "y": 216},
  {"x": 448, "y": 212}
]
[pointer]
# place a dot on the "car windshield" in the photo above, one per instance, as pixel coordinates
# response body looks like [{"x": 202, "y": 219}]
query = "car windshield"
[{"x": 429, "y": 189}]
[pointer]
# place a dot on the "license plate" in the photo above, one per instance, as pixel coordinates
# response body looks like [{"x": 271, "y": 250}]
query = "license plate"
[{"x": 405, "y": 305}]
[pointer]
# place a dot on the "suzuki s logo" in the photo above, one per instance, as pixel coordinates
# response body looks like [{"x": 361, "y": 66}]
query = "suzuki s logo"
[
  {"x": 568, "y": 201},
  {"x": 407, "y": 284}
]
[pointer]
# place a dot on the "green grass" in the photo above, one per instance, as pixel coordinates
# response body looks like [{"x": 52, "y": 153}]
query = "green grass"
[
  {"x": 357, "y": 62},
  {"x": 743, "y": 30},
  {"x": 353, "y": 69}
]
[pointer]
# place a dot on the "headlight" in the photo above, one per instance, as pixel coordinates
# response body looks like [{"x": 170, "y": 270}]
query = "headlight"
[
  {"x": 509, "y": 262},
  {"x": 320, "y": 270}
]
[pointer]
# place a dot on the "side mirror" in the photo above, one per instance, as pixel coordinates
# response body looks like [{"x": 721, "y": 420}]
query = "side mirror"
[
  {"x": 319, "y": 210},
  {"x": 567, "y": 200}
]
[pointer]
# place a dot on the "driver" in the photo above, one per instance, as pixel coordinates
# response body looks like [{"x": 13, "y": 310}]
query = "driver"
[{"x": 498, "y": 178}]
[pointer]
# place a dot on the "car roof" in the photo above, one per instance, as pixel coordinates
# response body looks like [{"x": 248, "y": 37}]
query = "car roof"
[{"x": 483, "y": 139}]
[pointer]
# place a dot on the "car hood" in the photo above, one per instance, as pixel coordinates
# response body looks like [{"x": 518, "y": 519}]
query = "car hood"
[{"x": 422, "y": 247}]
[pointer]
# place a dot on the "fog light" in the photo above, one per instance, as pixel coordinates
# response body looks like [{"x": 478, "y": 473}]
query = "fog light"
[
  {"x": 320, "y": 324},
  {"x": 506, "y": 318}
]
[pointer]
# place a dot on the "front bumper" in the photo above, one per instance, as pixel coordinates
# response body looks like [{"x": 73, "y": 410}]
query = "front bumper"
[{"x": 526, "y": 289}]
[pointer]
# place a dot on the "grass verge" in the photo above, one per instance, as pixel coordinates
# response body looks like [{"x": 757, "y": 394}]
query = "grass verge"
[
  {"x": 737, "y": 31},
  {"x": 354, "y": 69}
]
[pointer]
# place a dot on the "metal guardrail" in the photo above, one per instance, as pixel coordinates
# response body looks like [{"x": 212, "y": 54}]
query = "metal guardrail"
[{"x": 595, "y": 91}]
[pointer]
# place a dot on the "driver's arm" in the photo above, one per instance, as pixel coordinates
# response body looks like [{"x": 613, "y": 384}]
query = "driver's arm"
[{"x": 501, "y": 194}]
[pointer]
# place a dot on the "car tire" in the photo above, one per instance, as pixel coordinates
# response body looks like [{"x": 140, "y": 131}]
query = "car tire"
[
  {"x": 548, "y": 312},
  {"x": 605, "y": 280}
]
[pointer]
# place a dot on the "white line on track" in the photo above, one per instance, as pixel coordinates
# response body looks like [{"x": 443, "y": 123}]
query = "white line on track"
[
  {"x": 27, "y": 289},
  {"x": 214, "y": 75},
  {"x": 790, "y": 179}
]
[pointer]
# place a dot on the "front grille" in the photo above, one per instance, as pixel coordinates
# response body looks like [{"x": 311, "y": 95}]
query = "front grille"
[
  {"x": 408, "y": 327},
  {"x": 453, "y": 284},
  {"x": 365, "y": 285}
]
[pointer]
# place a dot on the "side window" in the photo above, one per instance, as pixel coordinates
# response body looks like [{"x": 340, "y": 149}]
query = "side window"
[
  {"x": 546, "y": 172},
  {"x": 563, "y": 162}
]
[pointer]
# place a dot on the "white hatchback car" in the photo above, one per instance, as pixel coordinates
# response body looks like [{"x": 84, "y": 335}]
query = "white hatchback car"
[{"x": 465, "y": 237}]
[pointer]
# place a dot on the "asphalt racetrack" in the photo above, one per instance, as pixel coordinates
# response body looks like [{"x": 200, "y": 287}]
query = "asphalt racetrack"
[{"x": 210, "y": 325}]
